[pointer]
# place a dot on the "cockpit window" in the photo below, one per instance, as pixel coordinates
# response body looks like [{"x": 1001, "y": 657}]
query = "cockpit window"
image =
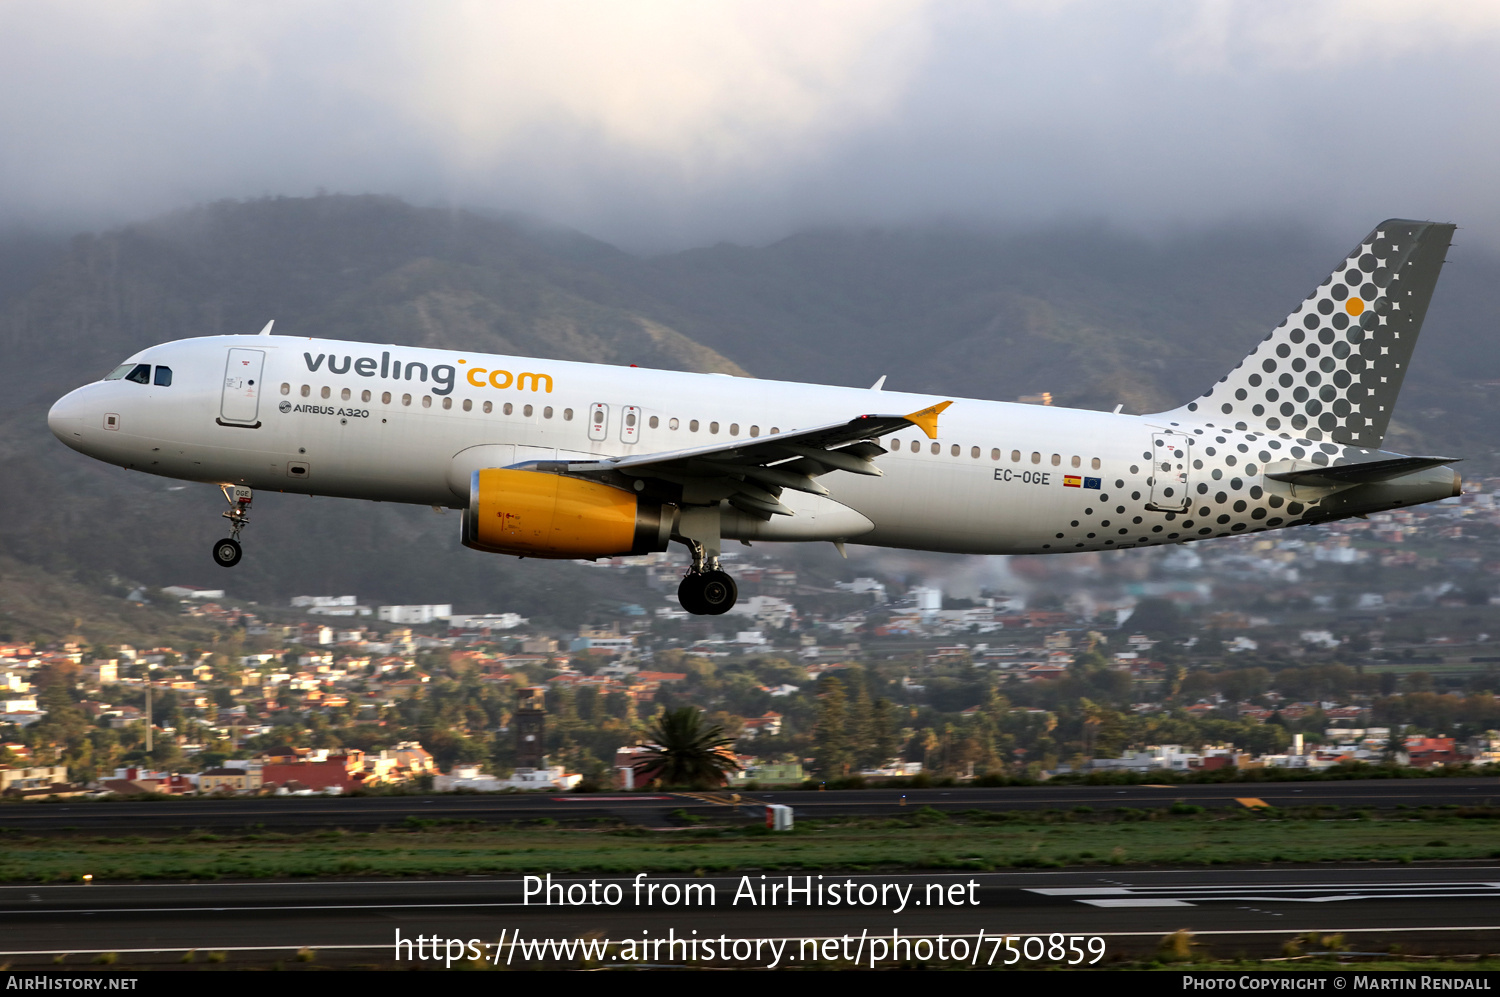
[
  {"x": 163, "y": 377},
  {"x": 119, "y": 372},
  {"x": 140, "y": 374}
]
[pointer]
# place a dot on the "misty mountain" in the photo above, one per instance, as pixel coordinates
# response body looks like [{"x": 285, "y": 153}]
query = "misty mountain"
[{"x": 1093, "y": 316}]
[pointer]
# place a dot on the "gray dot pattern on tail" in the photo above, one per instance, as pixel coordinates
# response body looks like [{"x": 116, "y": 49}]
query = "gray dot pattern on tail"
[{"x": 1332, "y": 369}]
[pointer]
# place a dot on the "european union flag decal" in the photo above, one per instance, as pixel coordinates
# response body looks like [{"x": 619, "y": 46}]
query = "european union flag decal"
[{"x": 1091, "y": 483}]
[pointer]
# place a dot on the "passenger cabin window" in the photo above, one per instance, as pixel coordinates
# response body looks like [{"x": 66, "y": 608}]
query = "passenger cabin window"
[
  {"x": 1077, "y": 461},
  {"x": 286, "y": 389},
  {"x": 489, "y": 406},
  {"x": 140, "y": 374},
  {"x": 163, "y": 377},
  {"x": 468, "y": 404},
  {"x": 1094, "y": 463}
]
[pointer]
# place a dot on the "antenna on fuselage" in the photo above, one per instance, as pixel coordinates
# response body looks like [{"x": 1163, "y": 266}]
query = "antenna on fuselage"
[{"x": 267, "y": 330}]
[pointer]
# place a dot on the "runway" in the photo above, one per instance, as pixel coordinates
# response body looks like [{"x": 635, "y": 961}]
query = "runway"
[
  {"x": 1447, "y": 908},
  {"x": 367, "y": 813}
]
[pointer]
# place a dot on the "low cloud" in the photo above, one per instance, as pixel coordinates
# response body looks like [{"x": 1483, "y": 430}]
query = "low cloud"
[{"x": 670, "y": 123}]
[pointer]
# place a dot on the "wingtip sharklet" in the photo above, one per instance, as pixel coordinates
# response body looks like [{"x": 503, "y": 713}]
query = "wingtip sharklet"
[{"x": 926, "y": 419}]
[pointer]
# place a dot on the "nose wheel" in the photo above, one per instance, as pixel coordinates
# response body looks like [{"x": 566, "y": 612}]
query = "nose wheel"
[
  {"x": 706, "y": 590},
  {"x": 227, "y": 552}
]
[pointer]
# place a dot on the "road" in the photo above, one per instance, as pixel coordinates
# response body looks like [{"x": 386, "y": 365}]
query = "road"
[
  {"x": 365, "y": 813},
  {"x": 1454, "y": 908}
]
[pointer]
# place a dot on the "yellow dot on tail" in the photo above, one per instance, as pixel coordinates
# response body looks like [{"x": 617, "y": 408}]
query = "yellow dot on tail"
[{"x": 1355, "y": 306}]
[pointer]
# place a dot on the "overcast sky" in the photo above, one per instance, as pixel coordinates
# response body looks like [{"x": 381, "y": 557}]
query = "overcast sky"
[{"x": 660, "y": 125}]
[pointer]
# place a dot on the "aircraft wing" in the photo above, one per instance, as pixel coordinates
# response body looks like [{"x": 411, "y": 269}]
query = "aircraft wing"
[{"x": 751, "y": 473}]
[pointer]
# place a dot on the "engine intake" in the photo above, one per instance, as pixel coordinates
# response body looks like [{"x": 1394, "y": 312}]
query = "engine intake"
[{"x": 537, "y": 514}]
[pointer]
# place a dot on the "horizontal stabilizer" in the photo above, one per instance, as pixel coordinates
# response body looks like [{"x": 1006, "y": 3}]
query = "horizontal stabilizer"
[{"x": 1360, "y": 474}]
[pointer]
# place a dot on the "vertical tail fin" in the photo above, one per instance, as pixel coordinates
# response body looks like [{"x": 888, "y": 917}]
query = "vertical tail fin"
[{"x": 1333, "y": 367}]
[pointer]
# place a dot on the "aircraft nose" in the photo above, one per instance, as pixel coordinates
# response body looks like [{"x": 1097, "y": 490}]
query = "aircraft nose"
[{"x": 66, "y": 419}]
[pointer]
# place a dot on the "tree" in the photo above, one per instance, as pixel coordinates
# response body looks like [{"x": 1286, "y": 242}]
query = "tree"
[
  {"x": 685, "y": 752},
  {"x": 882, "y": 746},
  {"x": 833, "y": 749}
]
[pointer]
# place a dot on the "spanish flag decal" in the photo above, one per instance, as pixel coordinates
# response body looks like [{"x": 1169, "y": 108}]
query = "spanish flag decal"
[{"x": 1072, "y": 481}]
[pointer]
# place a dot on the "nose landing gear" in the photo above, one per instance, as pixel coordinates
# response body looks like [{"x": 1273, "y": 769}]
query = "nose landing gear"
[
  {"x": 706, "y": 590},
  {"x": 227, "y": 552}
]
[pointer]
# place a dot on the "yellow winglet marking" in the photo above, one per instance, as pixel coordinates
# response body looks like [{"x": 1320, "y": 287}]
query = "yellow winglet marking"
[{"x": 926, "y": 420}]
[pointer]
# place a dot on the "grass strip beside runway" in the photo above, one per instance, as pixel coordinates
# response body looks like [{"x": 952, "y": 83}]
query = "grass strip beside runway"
[{"x": 922, "y": 839}]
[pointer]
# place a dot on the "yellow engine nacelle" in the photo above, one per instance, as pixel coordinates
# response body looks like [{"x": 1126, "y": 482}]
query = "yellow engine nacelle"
[{"x": 537, "y": 514}]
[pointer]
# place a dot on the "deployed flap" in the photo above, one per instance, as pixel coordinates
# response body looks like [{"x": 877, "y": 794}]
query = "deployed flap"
[
  {"x": 1360, "y": 474},
  {"x": 751, "y": 473}
]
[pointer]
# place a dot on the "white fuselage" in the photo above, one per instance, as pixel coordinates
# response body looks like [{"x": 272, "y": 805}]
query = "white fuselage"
[{"x": 335, "y": 418}]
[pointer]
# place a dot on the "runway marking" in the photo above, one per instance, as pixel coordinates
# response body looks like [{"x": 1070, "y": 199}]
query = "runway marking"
[
  {"x": 1138, "y": 902},
  {"x": 1326, "y": 893},
  {"x": 1252, "y": 802},
  {"x": 1304, "y": 887}
]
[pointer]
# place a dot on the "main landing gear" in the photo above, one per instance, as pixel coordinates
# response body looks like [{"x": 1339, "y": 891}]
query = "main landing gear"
[
  {"x": 227, "y": 552},
  {"x": 706, "y": 590}
]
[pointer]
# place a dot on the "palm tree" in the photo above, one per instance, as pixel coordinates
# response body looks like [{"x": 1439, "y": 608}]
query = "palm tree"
[{"x": 683, "y": 752}]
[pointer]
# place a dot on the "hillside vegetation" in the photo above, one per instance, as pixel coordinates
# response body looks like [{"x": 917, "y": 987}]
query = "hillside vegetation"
[{"x": 1094, "y": 317}]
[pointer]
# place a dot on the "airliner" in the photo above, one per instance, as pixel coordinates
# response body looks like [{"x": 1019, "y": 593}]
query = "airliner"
[{"x": 547, "y": 458}]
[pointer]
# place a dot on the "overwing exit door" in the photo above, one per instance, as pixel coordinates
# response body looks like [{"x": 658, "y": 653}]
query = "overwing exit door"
[
  {"x": 240, "y": 403},
  {"x": 630, "y": 424},
  {"x": 598, "y": 421}
]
